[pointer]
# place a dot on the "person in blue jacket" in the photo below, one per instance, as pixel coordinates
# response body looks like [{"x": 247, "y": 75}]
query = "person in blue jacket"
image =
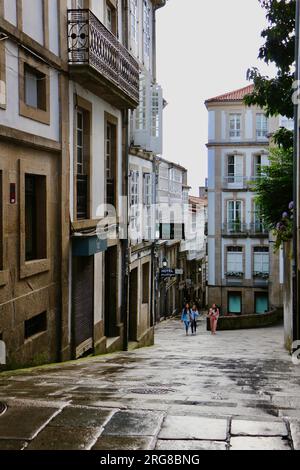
[
  {"x": 185, "y": 317},
  {"x": 193, "y": 316}
]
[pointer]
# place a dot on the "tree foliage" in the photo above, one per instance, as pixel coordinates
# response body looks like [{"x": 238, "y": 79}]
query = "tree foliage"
[
  {"x": 275, "y": 94},
  {"x": 275, "y": 193}
]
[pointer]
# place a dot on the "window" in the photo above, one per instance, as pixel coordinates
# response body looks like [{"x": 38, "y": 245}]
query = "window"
[
  {"x": 111, "y": 17},
  {"x": 235, "y": 169},
  {"x": 235, "y": 302},
  {"x": 235, "y": 259},
  {"x": 110, "y": 163},
  {"x": 134, "y": 200},
  {"x": 35, "y": 325},
  {"x": 35, "y": 217},
  {"x": 140, "y": 113},
  {"x": 261, "y": 126},
  {"x": 82, "y": 164},
  {"x": 35, "y": 88},
  {"x": 149, "y": 209},
  {"x": 261, "y": 260},
  {"x": 234, "y": 215},
  {"x": 257, "y": 166},
  {"x": 235, "y": 125},
  {"x": 258, "y": 219},
  {"x": 261, "y": 302},
  {"x": 134, "y": 22},
  {"x": 2, "y": 75},
  {"x": 155, "y": 121},
  {"x": 146, "y": 283},
  {"x": 146, "y": 30}
]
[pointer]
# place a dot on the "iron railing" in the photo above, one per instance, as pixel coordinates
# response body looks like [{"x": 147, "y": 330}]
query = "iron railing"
[
  {"x": 258, "y": 228},
  {"x": 91, "y": 43},
  {"x": 234, "y": 228}
]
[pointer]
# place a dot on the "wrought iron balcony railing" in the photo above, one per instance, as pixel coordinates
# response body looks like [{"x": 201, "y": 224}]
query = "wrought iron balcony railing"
[
  {"x": 94, "y": 51},
  {"x": 234, "y": 228},
  {"x": 235, "y": 182},
  {"x": 258, "y": 228}
]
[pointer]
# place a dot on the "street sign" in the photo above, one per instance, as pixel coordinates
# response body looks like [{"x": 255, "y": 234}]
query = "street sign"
[
  {"x": 167, "y": 272},
  {"x": 179, "y": 272}
]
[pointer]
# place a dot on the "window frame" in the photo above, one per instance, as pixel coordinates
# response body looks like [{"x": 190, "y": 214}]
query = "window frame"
[
  {"x": 36, "y": 266},
  {"x": 25, "y": 110},
  {"x": 261, "y": 126},
  {"x": 235, "y": 132}
]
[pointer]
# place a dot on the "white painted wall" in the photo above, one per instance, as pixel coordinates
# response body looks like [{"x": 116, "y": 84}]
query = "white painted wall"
[
  {"x": 249, "y": 124},
  {"x": 11, "y": 118},
  {"x": 211, "y": 125},
  {"x": 211, "y": 212},
  {"x": 211, "y": 169}
]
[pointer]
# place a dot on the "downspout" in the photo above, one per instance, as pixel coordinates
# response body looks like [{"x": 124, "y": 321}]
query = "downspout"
[
  {"x": 295, "y": 191},
  {"x": 125, "y": 241}
]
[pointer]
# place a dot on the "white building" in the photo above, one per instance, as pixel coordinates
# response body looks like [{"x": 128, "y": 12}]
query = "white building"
[{"x": 244, "y": 274}]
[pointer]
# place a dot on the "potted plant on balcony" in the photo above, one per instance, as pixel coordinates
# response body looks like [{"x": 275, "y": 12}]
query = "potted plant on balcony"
[{"x": 234, "y": 274}]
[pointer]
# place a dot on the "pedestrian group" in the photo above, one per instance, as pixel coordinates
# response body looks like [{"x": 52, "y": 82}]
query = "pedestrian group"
[{"x": 189, "y": 318}]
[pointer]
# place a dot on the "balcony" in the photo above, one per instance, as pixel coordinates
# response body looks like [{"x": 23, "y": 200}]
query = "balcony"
[
  {"x": 234, "y": 278},
  {"x": 233, "y": 182},
  {"x": 257, "y": 230},
  {"x": 261, "y": 279},
  {"x": 99, "y": 62},
  {"x": 235, "y": 229}
]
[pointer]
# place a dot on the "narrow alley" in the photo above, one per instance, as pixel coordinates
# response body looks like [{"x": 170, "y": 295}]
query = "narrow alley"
[{"x": 232, "y": 391}]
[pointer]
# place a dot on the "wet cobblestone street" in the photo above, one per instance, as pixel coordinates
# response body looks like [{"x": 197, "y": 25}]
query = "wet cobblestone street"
[{"x": 237, "y": 390}]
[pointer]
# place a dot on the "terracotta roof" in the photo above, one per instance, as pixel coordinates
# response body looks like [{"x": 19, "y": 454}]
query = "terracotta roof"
[{"x": 236, "y": 95}]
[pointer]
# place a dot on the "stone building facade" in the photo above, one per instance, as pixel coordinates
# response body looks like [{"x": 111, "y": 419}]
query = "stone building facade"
[
  {"x": 65, "y": 112},
  {"x": 244, "y": 274}
]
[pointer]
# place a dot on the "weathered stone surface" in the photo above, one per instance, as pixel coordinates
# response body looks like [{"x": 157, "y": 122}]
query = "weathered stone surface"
[
  {"x": 258, "y": 428},
  {"x": 24, "y": 423},
  {"x": 12, "y": 444},
  {"x": 63, "y": 438},
  {"x": 134, "y": 423},
  {"x": 259, "y": 443},
  {"x": 124, "y": 443},
  {"x": 191, "y": 427},
  {"x": 295, "y": 431},
  {"x": 81, "y": 417},
  {"x": 190, "y": 445}
]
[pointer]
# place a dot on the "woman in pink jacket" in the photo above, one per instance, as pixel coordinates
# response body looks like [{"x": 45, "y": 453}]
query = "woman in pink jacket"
[{"x": 213, "y": 314}]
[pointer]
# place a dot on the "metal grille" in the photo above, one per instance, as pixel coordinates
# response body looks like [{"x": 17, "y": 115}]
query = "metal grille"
[{"x": 90, "y": 42}]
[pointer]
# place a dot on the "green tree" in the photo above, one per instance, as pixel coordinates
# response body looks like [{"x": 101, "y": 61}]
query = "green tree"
[
  {"x": 275, "y": 94},
  {"x": 275, "y": 193}
]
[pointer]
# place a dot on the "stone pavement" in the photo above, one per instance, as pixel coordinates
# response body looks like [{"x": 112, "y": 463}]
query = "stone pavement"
[{"x": 237, "y": 390}]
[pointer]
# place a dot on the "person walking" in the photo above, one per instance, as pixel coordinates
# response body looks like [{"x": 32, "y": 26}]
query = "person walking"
[
  {"x": 186, "y": 317},
  {"x": 193, "y": 316},
  {"x": 213, "y": 314}
]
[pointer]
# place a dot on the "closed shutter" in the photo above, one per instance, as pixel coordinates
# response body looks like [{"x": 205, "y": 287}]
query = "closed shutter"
[{"x": 83, "y": 304}]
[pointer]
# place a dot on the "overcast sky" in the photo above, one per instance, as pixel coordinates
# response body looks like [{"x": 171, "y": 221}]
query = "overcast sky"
[{"x": 204, "y": 49}]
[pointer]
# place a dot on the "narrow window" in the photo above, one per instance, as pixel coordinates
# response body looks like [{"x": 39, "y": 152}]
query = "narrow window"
[
  {"x": 110, "y": 163},
  {"x": 111, "y": 17},
  {"x": 134, "y": 22},
  {"x": 146, "y": 30},
  {"x": 146, "y": 283},
  {"x": 82, "y": 164},
  {"x": 35, "y": 217},
  {"x": 261, "y": 302},
  {"x": 234, "y": 216},
  {"x": 261, "y": 126},
  {"x": 235, "y": 169},
  {"x": 35, "y": 325},
  {"x": 35, "y": 88},
  {"x": 134, "y": 201},
  {"x": 235, "y": 125},
  {"x": 257, "y": 166},
  {"x": 155, "y": 121}
]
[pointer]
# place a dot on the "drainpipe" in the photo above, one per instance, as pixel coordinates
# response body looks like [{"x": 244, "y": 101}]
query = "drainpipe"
[
  {"x": 125, "y": 241},
  {"x": 295, "y": 191}
]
